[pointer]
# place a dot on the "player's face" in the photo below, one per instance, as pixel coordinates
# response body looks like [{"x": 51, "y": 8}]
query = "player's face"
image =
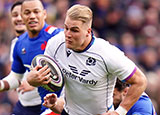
[
  {"x": 117, "y": 97},
  {"x": 17, "y": 21},
  {"x": 76, "y": 34},
  {"x": 33, "y": 15}
]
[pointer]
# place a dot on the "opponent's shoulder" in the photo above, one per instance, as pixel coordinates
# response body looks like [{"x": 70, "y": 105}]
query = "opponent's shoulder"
[{"x": 52, "y": 30}]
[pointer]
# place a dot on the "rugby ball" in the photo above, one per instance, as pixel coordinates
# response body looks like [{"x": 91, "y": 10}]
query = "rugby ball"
[{"x": 56, "y": 75}]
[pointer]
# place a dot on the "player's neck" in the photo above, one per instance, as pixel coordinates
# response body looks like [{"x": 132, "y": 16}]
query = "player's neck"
[
  {"x": 84, "y": 45},
  {"x": 18, "y": 33},
  {"x": 33, "y": 34}
]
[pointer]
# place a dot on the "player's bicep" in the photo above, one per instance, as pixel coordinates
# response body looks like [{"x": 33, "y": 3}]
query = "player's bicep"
[
  {"x": 137, "y": 78},
  {"x": 119, "y": 64},
  {"x": 17, "y": 64}
]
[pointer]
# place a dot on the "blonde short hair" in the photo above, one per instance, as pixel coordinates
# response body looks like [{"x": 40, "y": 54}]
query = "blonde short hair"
[{"x": 81, "y": 13}]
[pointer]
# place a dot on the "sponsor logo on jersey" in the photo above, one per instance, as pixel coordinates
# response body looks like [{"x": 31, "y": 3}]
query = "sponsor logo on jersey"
[
  {"x": 78, "y": 77},
  {"x": 75, "y": 70},
  {"x": 91, "y": 61},
  {"x": 85, "y": 72}
]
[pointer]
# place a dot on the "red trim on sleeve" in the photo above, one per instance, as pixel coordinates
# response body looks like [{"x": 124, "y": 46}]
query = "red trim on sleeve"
[{"x": 47, "y": 28}]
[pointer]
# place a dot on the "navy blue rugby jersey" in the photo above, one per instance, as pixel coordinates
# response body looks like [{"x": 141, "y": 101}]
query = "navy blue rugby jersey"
[{"x": 27, "y": 48}]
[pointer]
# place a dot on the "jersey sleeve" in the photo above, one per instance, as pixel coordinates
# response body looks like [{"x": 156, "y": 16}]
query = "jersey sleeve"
[
  {"x": 119, "y": 65},
  {"x": 17, "y": 65}
]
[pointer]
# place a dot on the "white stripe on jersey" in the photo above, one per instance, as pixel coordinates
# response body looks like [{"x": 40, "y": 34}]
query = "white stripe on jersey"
[
  {"x": 51, "y": 29},
  {"x": 12, "y": 48}
]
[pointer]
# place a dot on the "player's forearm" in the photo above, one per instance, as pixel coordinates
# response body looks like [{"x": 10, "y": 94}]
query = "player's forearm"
[
  {"x": 4, "y": 85},
  {"x": 138, "y": 86},
  {"x": 132, "y": 97},
  {"x": 11, "y": 81}
]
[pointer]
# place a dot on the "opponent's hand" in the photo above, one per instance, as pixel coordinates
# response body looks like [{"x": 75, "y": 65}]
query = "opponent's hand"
[
  {"x": 25, "y": 87},
  {"x": 39, "y": 76},
  {"x": 50, "y": 100}
]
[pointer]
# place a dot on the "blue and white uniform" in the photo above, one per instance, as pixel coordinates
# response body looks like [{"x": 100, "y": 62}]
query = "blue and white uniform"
[
  {"x": 89, "y": 75},
  {"x": 28, "y": 102},
  {"x": 143, "y": 106},
  {"x": 27, "y": 48}
]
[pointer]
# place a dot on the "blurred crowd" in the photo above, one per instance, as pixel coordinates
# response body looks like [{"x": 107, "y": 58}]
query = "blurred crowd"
[{"x": 131, "y": 25}]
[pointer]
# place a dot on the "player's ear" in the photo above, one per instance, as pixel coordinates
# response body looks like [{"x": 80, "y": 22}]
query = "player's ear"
[
  {"x": 88, "y": 32},
  {"x": 45, "y": 14},
  {"x": 125, "y": 91}
]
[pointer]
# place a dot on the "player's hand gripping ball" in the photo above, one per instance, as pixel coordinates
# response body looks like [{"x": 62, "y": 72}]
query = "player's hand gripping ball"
[{"x": 57, "y": 77}]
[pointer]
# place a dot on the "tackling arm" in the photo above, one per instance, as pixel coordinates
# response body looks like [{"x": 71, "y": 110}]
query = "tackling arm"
[
  {"x": 11, "y": 81},
  {"x": 138, "y": 84}
]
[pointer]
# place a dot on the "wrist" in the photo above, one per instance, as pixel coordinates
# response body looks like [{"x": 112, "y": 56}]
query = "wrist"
[
  {"x": 2, "y": 85},
  {"x": 53, "y": 106},
  {"x": 121, "y": 111}
]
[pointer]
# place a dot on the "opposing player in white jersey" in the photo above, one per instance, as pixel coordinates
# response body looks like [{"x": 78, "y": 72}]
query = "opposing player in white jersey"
[
  {"x": 90, "y": 66},
  {"x": 29, "y": 99}
]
